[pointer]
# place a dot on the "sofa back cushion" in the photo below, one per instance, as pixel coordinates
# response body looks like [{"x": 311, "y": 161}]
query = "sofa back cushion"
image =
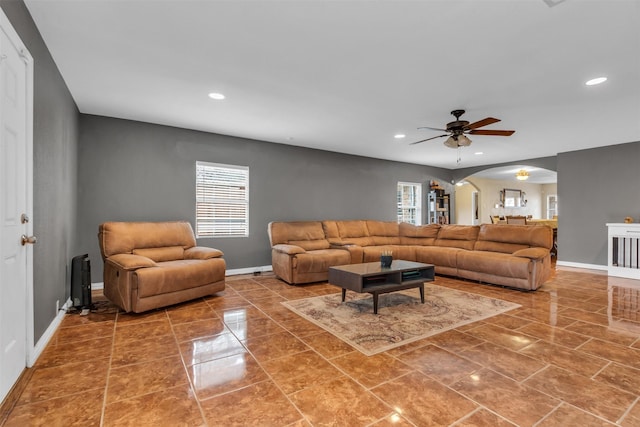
[
  {"x": 354, "y": 232},
  {"x": 124, "y": 237},
  {"x": 384, "y": 232},
  {"x": 424, "y": 235},
  {"x": 309, "y": 235},
  {"x": 458, "y": 236},
  {"x": 510, "y": 238}
]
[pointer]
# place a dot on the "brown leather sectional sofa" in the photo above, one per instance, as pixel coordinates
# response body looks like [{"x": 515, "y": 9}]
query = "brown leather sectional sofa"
[
  {"x": 149, "y": 265},
  {"x": 517, "y": 256}
]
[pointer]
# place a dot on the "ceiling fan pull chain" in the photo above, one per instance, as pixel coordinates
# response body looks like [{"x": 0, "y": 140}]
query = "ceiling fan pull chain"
[{"x": 459, "y": 156}]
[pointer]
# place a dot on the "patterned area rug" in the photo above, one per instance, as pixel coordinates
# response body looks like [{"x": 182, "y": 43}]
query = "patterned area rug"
[{"x": 401, "y": 317}]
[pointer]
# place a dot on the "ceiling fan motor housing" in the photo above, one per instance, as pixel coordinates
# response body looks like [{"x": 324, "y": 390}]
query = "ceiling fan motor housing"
[{"x": 457, "y": 127}]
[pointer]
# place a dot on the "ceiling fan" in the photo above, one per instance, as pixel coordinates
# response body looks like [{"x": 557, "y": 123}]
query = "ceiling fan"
[{"x": 457, "y": 130}]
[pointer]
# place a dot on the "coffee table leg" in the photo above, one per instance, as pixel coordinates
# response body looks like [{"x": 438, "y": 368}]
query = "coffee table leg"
[
  {"x": 375, "y": 303},
  {"x": 344, "y": 293},
  {"x": 422, "y": 293}
]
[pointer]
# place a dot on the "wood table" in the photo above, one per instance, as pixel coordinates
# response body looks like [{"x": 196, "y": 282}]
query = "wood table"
[{"x": 374, "y": 279}]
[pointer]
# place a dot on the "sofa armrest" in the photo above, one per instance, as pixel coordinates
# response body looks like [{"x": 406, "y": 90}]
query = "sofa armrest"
[
  {"x": 289, "y": 249},
  {"x": 131, "y": 262},
  {"x": 532, "y": 253},
  {"x": 202, "y": 252}
]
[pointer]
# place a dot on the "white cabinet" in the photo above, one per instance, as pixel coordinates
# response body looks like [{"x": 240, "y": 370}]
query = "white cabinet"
[{"x": 623, "y": 250}]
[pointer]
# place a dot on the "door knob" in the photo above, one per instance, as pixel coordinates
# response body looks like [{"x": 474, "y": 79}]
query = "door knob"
[{"x": 31, "y": 240}]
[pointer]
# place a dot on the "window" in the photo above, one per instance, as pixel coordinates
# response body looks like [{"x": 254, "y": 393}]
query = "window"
[
  {"x": 552, "y": 206},
  {"x": 410, "y": 202},
  {"x": 222, "y": 200}
]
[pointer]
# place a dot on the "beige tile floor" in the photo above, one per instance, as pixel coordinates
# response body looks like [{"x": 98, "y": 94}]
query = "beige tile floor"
[{"x": 570, "y": 356}]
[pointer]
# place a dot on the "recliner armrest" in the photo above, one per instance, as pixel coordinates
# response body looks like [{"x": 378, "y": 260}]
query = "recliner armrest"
[
  {"x": 202, "y": 252},
  {"x": 532, "y": 253},
  {"x": 131, "y": 262},
  {"x": 289, "y": 249}
]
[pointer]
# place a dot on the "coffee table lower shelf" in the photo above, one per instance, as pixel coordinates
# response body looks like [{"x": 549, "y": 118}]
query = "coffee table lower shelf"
[{"x": 373, "y": 279}]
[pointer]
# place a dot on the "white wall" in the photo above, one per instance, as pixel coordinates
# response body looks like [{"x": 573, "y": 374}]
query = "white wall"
[
  {"x": 464, "y": 208},
  {"x": 489, "y": 197}
]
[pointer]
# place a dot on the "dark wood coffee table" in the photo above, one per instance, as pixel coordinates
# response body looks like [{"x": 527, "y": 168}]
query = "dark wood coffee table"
[{"x": 373, "y": 279}]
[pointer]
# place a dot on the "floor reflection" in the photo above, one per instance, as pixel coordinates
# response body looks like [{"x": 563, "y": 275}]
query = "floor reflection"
[{"x": 623, "y": 309}]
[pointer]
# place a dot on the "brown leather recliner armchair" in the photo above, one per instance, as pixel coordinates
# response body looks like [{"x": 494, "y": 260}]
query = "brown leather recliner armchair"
[{"x": 149, "y": 265}]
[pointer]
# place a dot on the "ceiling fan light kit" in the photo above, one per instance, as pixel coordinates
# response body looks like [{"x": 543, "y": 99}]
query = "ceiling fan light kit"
[{"x": 458, "y": 129}]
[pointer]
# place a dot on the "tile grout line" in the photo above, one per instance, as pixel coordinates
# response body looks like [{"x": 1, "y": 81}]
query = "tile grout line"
[{"x": 106, "y": 385}]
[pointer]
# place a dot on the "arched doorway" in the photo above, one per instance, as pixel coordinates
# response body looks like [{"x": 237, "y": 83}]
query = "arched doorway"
[{"x": 539, "y": 194}]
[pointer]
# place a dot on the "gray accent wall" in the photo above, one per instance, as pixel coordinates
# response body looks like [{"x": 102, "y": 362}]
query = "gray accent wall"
[
  {"x": 133, "y": 171},
  {"x": 55, "y": 142},
  {"x": 595, "y": 187}
]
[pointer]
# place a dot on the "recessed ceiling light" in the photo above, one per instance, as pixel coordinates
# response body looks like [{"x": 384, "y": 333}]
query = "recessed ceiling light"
[
  {"x": 217, "y": 96},
  {"x": 596, "y": 81},
  {"x": 478, "y": 153},
  {"x": 399, "y": 136}
]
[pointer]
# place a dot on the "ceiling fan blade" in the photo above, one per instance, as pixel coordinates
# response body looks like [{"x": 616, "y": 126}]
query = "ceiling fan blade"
[
  {"x": 428, "y": 139},
  {"x": 480, "y": 123},
  {"x": 427, "y": 127},
  {"x": 492, "y": 132}
]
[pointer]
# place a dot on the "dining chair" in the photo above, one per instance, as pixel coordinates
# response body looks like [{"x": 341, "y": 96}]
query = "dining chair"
[{"x": 521, "y": 220}]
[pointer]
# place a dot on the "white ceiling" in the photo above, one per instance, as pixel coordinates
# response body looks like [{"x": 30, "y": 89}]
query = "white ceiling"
[{"x": 346, "y": 76}]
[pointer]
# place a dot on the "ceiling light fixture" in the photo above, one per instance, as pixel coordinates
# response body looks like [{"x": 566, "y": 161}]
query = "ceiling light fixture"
[
  {"x": 451, "y": 142},
  {"x": 596, "y": 81},
  {"x": 463, "y": 141},
  {"x": 522, "y": 175},
  {"x": 216, "y": 96},
  {"x": 399, "y": 136}
]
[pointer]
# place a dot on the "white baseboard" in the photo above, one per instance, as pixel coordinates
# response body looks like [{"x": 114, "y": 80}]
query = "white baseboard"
[
  {"x": 37, "y": 350},
  {"x": 234, "y": 272},
  {"x": 249, "y": 270},
  {"x": 581, "y": 265}
]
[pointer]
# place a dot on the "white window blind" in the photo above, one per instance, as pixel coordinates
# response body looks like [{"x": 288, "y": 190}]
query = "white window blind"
[
  {"x": 410, "y": 202},
  {"x": 222, "y": 200}
]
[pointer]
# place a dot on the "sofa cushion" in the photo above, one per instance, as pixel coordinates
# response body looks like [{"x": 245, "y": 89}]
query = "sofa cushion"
[
  {"x": 457, "y": 236},
  {"x": 321, "y": 260},
  {"x": 384, "y": 232},
  {"x": 418, "y": 234},
  {"x": 497, "y": 264},
  {"x": 173, "y": 276},
  {"x": 354, "y": 233},
  {"x": 124, "y": 237},
  {"x": 331, "y": 230},
  {"x": 523, "y": 236},
  {"x": 309, "y": 235},
  {"x": 438, "y": 255},
  {"x": 372, "y": 253},
  {"x": 168, "y": 253}
]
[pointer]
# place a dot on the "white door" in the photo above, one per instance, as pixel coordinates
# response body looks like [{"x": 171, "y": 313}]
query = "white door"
[{"x": 15, "y": 204}]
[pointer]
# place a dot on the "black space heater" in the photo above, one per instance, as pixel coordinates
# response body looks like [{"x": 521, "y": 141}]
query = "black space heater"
[{"x": 81, "y": 281}]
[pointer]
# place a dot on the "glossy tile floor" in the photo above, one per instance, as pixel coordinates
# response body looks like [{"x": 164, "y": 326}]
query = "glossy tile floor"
[{"x": 570, "y": 356}]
